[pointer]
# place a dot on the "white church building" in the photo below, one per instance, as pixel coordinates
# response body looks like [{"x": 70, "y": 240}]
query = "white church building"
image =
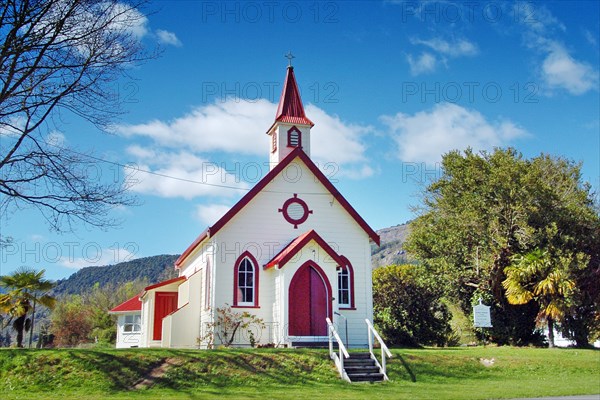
[{"x": 292, "y": 252}]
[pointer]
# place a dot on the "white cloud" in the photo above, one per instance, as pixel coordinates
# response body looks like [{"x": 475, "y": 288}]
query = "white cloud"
[
  {"x": 169, "y": 38},
  {"x": 209, "y": 214},
  {"x": 590, "y": 37},
  {"x": 13, "y": 126},
  {"x": 233, "y": 126},
  {"x": 56, "y": 138},
  {"x": 536, "y": 18},
  {"x": 457, "y": 48},
  {"x": 128, "y": 18},
  {"x": 427, "y": 135},
  {"x": 333, "y": 140},
  {"x": 560, "y": 70},
  {"x": 180, "y": 174},
  {"x": 97, "y": 256},
  {"x": 427, "y": 62},
  {"x": 239, "y": 127},
  {"x": 423, "y": 64}
]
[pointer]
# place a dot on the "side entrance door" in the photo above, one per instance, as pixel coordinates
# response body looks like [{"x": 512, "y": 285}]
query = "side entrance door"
[{"x": 164, "y": 304}]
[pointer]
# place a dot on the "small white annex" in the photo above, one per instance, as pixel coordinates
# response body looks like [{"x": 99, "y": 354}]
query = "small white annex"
[
  {"x": 129, "y": 323},
  {"x": 292, "y": 252}
]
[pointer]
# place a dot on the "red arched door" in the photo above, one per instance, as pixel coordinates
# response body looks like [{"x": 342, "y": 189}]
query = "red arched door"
[{"x": 309, "y": 302}]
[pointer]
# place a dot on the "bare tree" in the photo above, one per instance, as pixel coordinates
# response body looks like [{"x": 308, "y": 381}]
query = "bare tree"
[{"x": 61, "y": 57}]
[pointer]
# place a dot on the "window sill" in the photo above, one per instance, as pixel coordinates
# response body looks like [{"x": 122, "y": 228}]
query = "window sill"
[
  {"x": 237, "y": 306},
  {"x": 348, "y": 308}
]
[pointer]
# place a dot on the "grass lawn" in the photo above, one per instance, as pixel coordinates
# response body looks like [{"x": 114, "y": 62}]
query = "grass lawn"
[{"x": 454, "y": 373}]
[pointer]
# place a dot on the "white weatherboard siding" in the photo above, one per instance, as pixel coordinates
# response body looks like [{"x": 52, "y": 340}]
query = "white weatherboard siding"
[
  {"x": 181, "y": 329},
  {"x": 260, "y": 229},
  {"x": 127, "y": 339},
  {"x": 282, "y": 149}
]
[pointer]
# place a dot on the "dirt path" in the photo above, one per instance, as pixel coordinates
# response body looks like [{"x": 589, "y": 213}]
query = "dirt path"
[{"x": 156, "y": 373}]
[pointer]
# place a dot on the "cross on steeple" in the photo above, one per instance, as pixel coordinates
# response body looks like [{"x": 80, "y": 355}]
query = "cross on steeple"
[{"x": 289, "y": 56}]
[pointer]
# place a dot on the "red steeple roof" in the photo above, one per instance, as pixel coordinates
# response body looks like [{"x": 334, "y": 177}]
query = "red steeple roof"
[{"x": 290, "y": 108}]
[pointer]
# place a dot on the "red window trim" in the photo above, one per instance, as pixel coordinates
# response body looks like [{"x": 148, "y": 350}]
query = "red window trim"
[
  {"x": 286, "y": 215},
  {"x": 239, "y": 260},
  {"x": 289, "y": 136},
  {"x": 347, "y": 263}
]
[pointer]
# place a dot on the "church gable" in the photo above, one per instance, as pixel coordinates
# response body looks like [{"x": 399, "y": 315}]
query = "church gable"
[
  {"x": 287, "y": 181},
  {"x": 296, "y": 245}
]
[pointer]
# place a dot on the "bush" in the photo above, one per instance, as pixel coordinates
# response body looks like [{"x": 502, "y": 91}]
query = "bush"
[{"x": 407, "y": 307}]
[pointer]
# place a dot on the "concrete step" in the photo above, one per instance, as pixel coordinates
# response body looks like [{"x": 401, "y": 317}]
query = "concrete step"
[
  {"x": 371, "y": 369},
  {"x": 360, "y": 355},
  {"x": 312, "y": 345},
  {"x": 359, "y": 362},
  {"x": 366, "y": 377}
]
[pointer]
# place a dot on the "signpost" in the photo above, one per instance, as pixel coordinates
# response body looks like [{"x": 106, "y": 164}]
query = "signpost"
[{"x": 481, "y": 316}]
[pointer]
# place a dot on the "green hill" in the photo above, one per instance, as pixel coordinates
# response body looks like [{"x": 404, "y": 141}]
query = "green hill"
[
  {"x": 154, "y": 269},
  {"x": 475, "y": 373}
]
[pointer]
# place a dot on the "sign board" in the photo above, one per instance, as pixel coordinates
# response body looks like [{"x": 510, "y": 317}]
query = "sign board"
[{"x": 481, "y": 316}]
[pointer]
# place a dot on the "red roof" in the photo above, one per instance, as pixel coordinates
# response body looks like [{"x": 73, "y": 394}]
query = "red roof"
[
  {"x": 297, "y": 244},
  {"x": 296, "y": 153},
  {"x": 290, "y": 108},
  {"x": 164, "y": 283},
  {"x": 131, "y": 305}
]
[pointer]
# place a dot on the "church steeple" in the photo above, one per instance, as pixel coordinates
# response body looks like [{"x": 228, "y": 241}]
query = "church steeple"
[
  {"x": 290, "y": 107},
  {"x": 291, "y": 128}
]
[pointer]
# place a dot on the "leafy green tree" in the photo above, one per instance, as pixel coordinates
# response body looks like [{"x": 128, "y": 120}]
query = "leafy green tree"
[
  {"x": 84, "y": 318},
  {"x": 71, "y": 322},
  {"x": 408, "y": 307},
  {"x": 26, "y": 289},
  {"x": 103, "y": 298},
  {"x": 487, "y": 208}
]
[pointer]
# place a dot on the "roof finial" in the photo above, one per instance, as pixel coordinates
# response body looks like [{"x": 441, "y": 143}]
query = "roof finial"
[{"x": 289, "y": 56}]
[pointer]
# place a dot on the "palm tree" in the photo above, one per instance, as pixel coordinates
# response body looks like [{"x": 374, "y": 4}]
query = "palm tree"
[
  {"x": 26, "y": 288},
  {"x": 544, "y": 278}
]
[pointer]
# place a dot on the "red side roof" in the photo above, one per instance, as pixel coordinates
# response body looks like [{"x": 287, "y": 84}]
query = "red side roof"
[
  {"x": 290, "y": 108},
  {"x": 164, "y": 283},
  {"x": 296, "y": 153},
  {"x": 131, "y": 305},
  {"x": 298, "y": 244}
]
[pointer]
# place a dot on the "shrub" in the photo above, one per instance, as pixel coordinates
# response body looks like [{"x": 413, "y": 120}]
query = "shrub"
[{"x": 407, "y": 307}]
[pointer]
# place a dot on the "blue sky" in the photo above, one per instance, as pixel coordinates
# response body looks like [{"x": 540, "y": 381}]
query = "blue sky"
[{"x": 391, "y": 86}]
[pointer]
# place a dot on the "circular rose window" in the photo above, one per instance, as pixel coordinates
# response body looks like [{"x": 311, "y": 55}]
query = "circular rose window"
[{"x": 295, "y": 211}]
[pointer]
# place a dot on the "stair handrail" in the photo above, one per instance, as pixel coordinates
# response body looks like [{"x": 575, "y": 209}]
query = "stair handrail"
[
  {"x": 384, "y": 349},
  {"x": 343, "y": 353}
]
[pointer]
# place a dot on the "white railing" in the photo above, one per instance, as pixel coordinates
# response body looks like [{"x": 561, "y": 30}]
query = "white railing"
[
  {"x": 384, "y": 349},
  {"x": 343, "y": 353}
]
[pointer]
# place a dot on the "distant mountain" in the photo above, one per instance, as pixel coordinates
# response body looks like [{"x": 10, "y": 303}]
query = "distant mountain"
[
  {"x": 154, "y": 269},
  {"x": 391, "y": 250}
]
